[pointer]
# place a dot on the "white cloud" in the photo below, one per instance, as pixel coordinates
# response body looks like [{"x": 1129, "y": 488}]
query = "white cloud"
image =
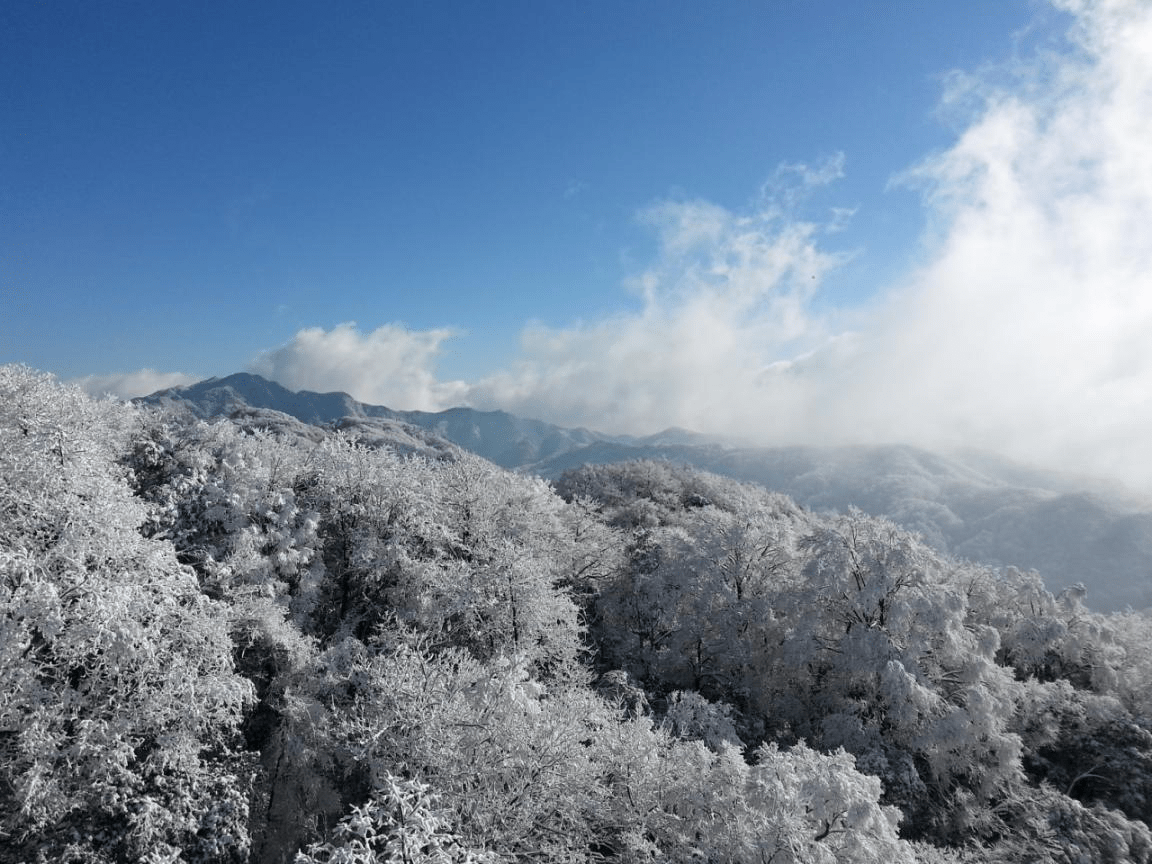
[
  {"x": 127, "y": 385},
  {"x": 727, "y": 296},
  {"x": 1029, "y": 330},
  {"x": 391, "y": 365},
  {"x": 791, "y": 181}
]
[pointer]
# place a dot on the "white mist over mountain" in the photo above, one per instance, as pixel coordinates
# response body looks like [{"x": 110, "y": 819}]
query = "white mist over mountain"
[
  {"x": 1023, "y": 329},
  {"x": 390, "y": 366},
  {"x": 131, "y": 384},
  {"x": 1026, "y": 330}
]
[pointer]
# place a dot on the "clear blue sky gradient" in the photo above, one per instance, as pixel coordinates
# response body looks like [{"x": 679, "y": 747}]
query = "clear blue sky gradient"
[{"x": 184, "y": 185}]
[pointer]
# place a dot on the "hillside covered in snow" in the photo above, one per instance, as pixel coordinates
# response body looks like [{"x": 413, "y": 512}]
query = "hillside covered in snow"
[
  {"x": 225, "y": 643},
  {"x": 1072, "y": 529}
]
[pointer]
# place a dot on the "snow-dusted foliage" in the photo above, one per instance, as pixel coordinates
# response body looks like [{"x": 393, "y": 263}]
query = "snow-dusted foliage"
[
  {"x": 224, "y": 642},
  {"x": 844, "y": 631},
  {"x": 119, "y": 706},
  {"x": 398, "y": 823}
]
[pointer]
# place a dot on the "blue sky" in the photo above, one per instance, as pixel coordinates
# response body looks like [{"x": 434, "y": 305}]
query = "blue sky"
[
  {"x": 188, "y": 184},
  {"x": 623, "y": 214}
]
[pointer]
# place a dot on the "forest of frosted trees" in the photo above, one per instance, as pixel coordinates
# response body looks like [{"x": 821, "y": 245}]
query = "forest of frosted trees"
[{"x": 221, "y": 644}]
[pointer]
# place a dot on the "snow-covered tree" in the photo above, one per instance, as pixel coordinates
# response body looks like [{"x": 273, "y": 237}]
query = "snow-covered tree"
[
  {"x": 400, "y": 822},
  {"x": 224, "y": 643},
  {"x": 119, "y": 707}
]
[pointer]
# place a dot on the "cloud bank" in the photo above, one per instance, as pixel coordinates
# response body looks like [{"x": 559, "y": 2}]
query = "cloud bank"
[
  {"x": 391, "y": 365},
  {"x": 127, "y": 385},
  {"x": 1027, "y": 329},
  {"x": 729, "y": 296}
]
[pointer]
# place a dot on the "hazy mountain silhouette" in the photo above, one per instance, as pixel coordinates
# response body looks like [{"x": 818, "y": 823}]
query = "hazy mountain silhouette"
[
  {"x": 971, "y": 505},
  {"x": 503, "y": 438}
]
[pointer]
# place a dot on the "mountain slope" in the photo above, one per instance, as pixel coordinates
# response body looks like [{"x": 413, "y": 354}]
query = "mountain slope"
[
  {"x": 971, "y": 505},
  {"x": 503, "y": 438}
]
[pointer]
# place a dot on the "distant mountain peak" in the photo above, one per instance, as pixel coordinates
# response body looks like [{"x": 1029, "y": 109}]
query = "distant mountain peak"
[
  {"x": 676, "y": 435},
  {"x": 216, "y": 397},
  {"x": 498, "y": 436}
]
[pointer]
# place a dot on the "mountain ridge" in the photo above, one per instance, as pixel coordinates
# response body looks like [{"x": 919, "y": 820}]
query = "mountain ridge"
[
  {"x": 970, "y": 504},
  {"x": 500, "y": 437}
]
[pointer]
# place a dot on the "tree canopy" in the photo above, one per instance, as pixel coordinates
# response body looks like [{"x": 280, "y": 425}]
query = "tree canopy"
[{"x": 224, "y": 642}]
